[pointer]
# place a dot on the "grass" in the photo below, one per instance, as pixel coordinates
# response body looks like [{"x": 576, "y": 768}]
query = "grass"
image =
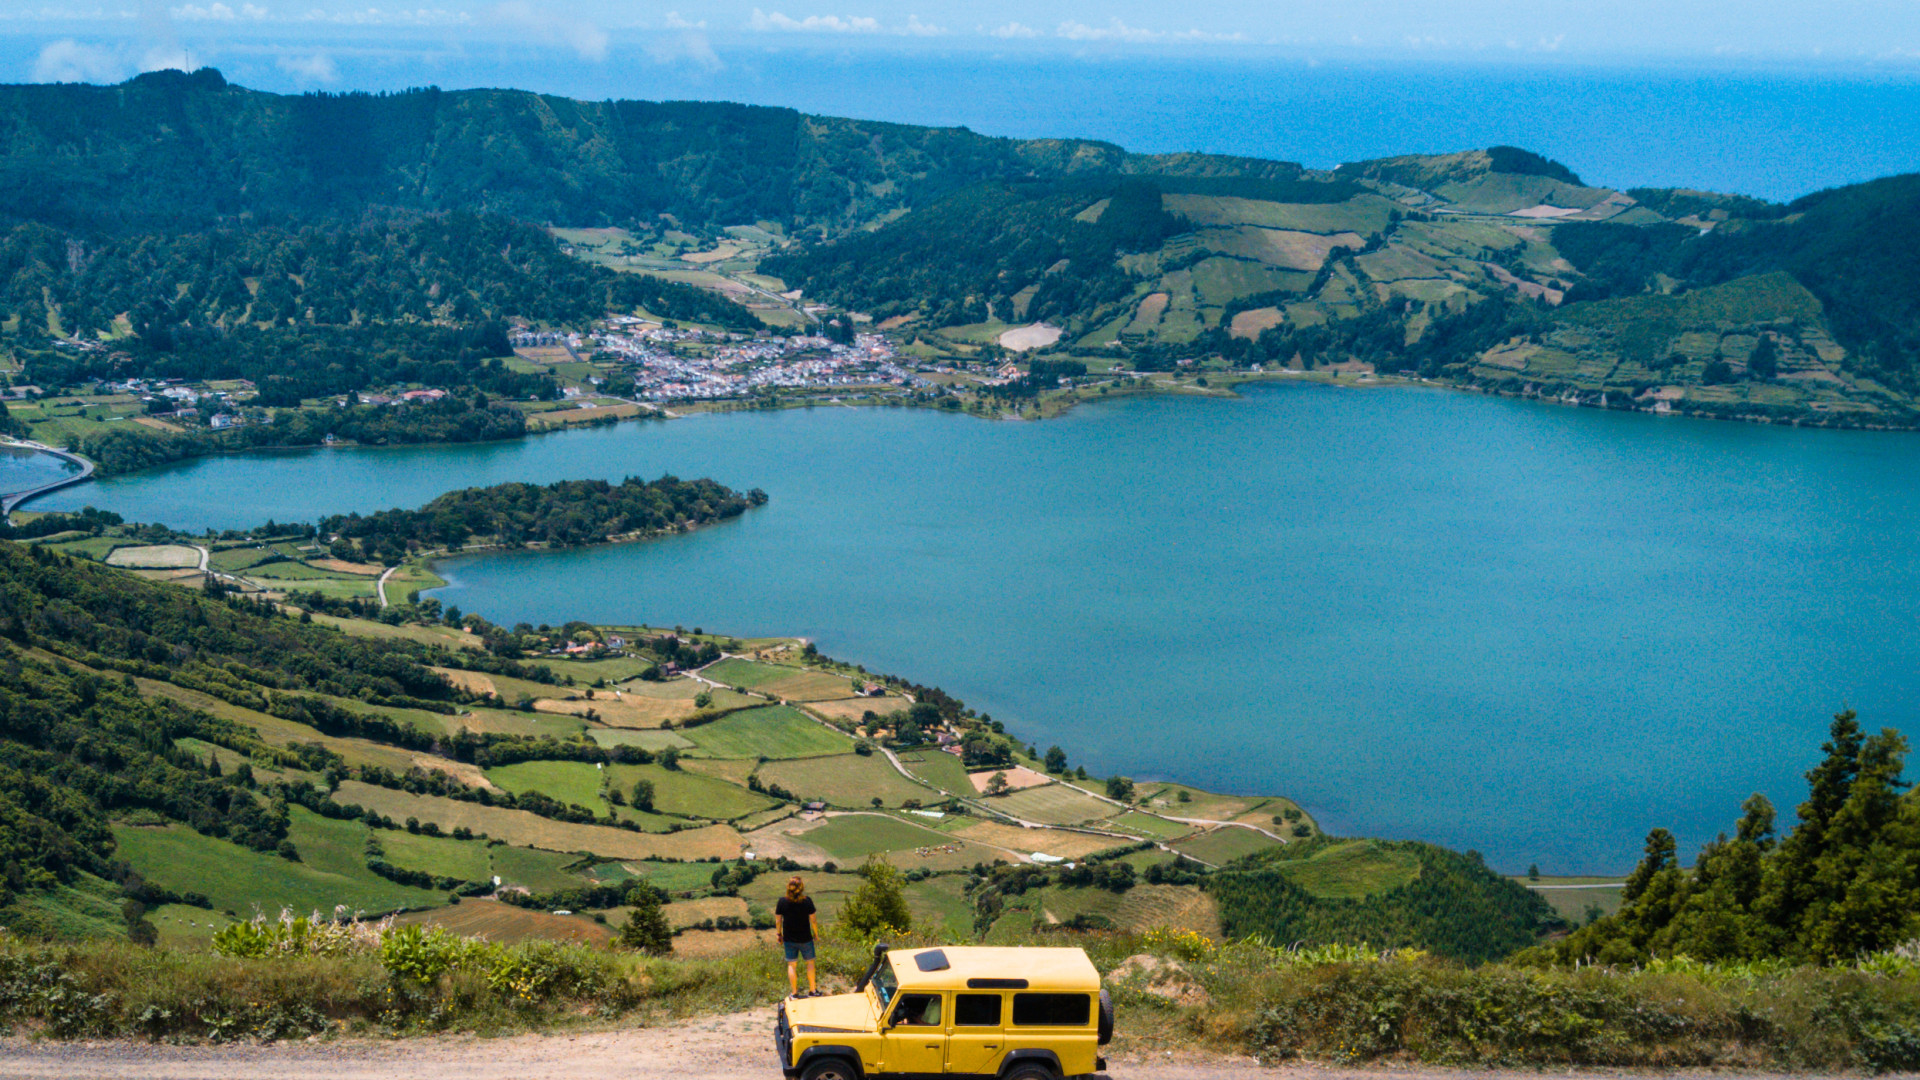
[
  {"x": 793, "y": 684},
  {"x": 440, "y": 856},
  {"x": 1141, "y": 908},
  {"x": 689, "y": 795},
  {"x": 1054, "y": 804},
  {"x": 87, "y": 908},
  {"x": 847, "y": 780},
  {"x": 576, "y": 783},
  {"x": 775, "y": 731},
  {"x": 237, "y": 879},
  {"x": 671, "y": 876},
  {"x": 536, "y": 871},
  {"x": 853, "y": 837},
  {"x": 522, "y": 829},
  {"x": 654, "y": 740},
  {"x": 1350, "y": 871},
  {"x": 942, "y": 770},
  {"x": 1225, "y": 844}
]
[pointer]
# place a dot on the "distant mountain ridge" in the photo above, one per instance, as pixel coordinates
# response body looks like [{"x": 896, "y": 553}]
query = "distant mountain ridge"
[{"x": 1495, "y": 268}]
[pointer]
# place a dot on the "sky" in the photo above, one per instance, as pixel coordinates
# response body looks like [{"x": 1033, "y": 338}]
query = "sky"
[{"x": 315, "y": 43}]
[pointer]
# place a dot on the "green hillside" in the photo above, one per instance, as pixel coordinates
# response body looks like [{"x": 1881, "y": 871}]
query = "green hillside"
[{"x": 1390, "y": 894}]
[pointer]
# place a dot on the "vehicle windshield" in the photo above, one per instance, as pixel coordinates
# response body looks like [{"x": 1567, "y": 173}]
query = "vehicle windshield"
[{"x": 884, "y": 984}]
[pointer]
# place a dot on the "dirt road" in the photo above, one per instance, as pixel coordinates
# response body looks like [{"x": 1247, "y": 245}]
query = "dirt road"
[{"x": 717, "y": 1048}]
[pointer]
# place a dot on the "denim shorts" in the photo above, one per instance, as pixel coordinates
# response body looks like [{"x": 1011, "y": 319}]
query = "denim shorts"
[{"x": 798, "y": 950}]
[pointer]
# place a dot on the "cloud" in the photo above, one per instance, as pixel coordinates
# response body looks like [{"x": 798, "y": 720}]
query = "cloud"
[
  {"x": 168, "y": 57},
  {"x": 68, "y": 60},
  {"x": 553, "y": 27},
  {"x": 830, "y": 24},
  {"x": 379, "y": 17},
  {"x": 217, "y": 13},
  {"x": 916, "y": 28},
  {"x": 1119, "y": 31},
  {"x": 1014, "y": 30},
  {"x": 691, "y": 48},
  {"x": 1113, "y": 31},
  {"x": 312, "y": 68},
  {"x": 675, "y": 22}
]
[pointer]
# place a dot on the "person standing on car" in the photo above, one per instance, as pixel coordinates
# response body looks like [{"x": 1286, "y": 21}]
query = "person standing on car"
[{"x": 796, "y": 923}]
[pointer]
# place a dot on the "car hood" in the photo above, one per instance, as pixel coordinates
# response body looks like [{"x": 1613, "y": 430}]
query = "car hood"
[{"x": 839, "y": 1012}]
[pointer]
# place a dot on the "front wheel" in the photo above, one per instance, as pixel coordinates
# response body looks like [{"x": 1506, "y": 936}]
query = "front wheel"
[
  {"x": 832, "y": 1068},
  {"x": 1029, "y": 1072}
]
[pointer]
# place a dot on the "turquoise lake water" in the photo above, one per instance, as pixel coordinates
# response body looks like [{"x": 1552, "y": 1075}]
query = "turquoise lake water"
[{"x": 1500, "y": 625}]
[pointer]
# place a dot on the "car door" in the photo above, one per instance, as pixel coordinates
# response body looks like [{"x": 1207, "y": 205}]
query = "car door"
[
  {"x": 916, "y": 1034},
  {"x": 977, "y": 1041}
]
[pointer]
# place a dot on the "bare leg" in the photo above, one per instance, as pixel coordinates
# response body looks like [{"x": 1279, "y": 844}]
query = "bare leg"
[
  {"x": 812, "y": 987},
  {"x": 793, "y": 982}
]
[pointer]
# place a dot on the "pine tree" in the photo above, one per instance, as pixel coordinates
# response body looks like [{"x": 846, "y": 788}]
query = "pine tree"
[{"x": 646, "y": 928}]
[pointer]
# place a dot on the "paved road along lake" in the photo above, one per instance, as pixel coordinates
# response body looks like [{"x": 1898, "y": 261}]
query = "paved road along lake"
[{"x": 1524, "y": 629}]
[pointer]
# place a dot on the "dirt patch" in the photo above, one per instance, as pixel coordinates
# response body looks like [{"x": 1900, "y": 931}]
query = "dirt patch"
[
  {"x": 1154, "y": 306},
  {"x": 1164, "y": 979},
  {"x": 1036, "y": 336},
  {"x": 1251, "y": 324},
  {"x": 1017, "y": 777},
  {"x": 473, "y": 682},
  {"x": 1066, "y": 845},
  {"x": 342, "y": 566},
  {"x": 158, "y": 425},
  {"x": 156, "y": 557}
]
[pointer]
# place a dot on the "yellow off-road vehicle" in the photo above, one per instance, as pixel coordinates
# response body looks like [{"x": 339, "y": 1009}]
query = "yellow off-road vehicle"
[{"x": 1010, "y": 1013}]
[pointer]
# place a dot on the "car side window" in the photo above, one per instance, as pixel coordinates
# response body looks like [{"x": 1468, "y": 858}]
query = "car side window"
[
  {"x": 1052, "y": 1010},
  {"x": 917, "y": 1010},
  {"x": 976, "y": 1010}
]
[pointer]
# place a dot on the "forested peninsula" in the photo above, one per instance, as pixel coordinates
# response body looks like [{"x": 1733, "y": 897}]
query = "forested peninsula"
[{"x": 564, "y": 514}]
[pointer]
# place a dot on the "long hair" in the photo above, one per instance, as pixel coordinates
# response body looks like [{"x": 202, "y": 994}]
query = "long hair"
[{"x": 796, "y": 889}]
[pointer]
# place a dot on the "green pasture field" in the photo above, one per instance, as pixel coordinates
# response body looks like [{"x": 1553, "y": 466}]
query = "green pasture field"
[
  {"x": 1054, "y": 804},
  {"x": 574, "y": 782},
  {"x": 845, "y": 780},
  {"x": 1225, "y": 844},
  {"x": 514, "y": 722},
  {"x": 853, "y": 837},
  {"x": 87, "y": 908},
  {"x": 673, "y": 877},
  {"x": 1351, "y": 870},
  {"x": 236, "y": 878},
  {"x": 773, "y": 731},
  {"x": 828, "y": 891},
  {"x": 538, "y": 871},
  {"x": 329, "y": 845},
  {"x": 240, "y": 558},
  {"x": 409, "y": 633},
  {"x": 440, "y": 856},
  {"x": 748, "y": 673},
  {"x": 941, "y": 769},
  {"x": 941, "y": 901},
  {"x": 1222, "y": 279},
  {"x": 299, "y": 571},
  {"x": 96, "y": 548},
  {"x": 408, "y": 581},
  {"x": 614, "y": 669},
  {"x": 653, "y": 739},
  {"x": 183, "y": 927},
  {"x": 1156, "y": 828},
  {"x": 523, "y": 829},
  {"x": 689, "y": 795}
]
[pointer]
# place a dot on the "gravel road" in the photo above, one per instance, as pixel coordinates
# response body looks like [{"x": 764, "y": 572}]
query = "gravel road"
[{"x": 715, "y": 1048}]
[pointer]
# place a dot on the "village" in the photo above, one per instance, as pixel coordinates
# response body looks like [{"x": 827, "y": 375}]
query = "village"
[{"x": 677, "y": 364}]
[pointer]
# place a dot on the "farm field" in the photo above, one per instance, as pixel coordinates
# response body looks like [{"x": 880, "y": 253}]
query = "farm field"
[
  {"x": 574, "y": 782},
  {"x": 792, "y": 684},
  {"x": 856, "y": 709},
  {"x": 1066, "y": 845},
  {"x": 941, "y": 769},
  {"x": 237, "y": 879},
  {"x": 689, "y": 795},
  {"x": 1054, "y": 804},
  {"x": 535, "y": 871},
  {"x": 845, "y": 780},
  {"x": 503, "y": 922},
  {"x": 773, "y": 731},
  {"x": 1224, "y": 844},
  {"x": 467, "y": 860},
  {"x": 156, "y": 557},
  {"x": 523, "y": 829}
]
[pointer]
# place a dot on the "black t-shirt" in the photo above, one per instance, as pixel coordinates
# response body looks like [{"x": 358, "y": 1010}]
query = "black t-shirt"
[{"x": 796, "y": 919}]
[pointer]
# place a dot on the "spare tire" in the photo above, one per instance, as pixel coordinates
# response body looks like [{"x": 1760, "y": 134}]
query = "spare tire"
[{"x": 1106, "y": 1017}]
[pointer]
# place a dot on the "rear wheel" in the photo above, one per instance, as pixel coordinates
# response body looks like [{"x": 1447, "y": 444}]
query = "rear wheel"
[
  {"x": 1029, "y": 1071},
  {"x": 1106, "y": 1017},
  {"x": 832, "y": 1068}
]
